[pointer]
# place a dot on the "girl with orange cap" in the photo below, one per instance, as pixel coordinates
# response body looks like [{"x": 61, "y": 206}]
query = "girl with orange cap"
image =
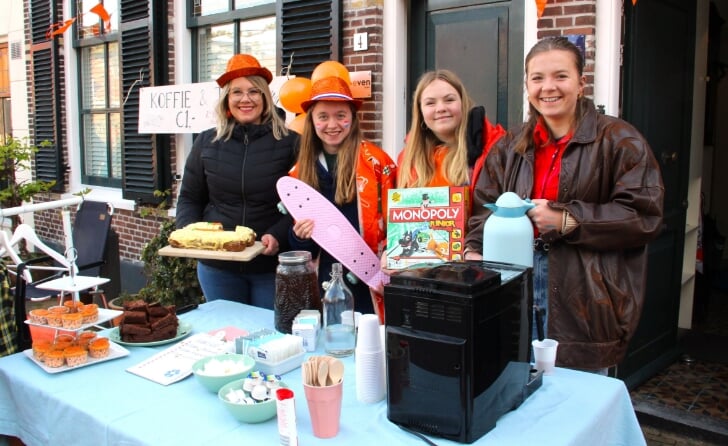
[
  {"x": 229, "y": 176},
  {"x": 352, "y": 173}
]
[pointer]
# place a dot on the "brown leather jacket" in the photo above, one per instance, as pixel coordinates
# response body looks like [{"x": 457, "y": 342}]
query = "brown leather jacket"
[{"x": 611, "y": 184}]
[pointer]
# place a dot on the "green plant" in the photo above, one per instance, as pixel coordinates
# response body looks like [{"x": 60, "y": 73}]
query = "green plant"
[
  {"x": 16, "y": 155},
  {"x": 170, "y": 280}
]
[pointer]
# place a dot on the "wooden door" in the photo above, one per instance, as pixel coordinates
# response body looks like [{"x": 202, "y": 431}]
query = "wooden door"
[{"x": 659, "y": 46}]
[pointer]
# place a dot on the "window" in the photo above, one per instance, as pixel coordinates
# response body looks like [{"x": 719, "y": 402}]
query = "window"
[
  {"x": 100, "y": 90},
  {"x": 5, "y": 124},
  {"x": 279, "y": 33},
  {"x": 210, "y": 7},
  {"x": 221, "y": 33},
  {"x": 100, "y": 114}
]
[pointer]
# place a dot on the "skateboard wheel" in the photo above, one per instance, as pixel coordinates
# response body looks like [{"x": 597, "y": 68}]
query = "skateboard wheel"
[{"x": 351, "y": 278}]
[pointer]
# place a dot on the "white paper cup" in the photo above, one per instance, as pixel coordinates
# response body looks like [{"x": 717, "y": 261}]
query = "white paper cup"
[
  {"x": 370, "y": 376},
  {"x": 368, "y": 338},
  {"x": 544, "y": 353}
]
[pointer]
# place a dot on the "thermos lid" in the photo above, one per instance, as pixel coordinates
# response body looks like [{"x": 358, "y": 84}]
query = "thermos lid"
[{"x": 456, "y": 277}]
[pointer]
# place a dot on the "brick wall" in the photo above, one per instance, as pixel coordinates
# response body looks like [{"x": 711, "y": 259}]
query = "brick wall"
[
  {"x": 564, "y": 17},
  {"x": 366, "y": 16}
]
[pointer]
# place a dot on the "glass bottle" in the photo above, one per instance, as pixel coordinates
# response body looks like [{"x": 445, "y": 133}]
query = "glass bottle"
[
  {"x": 296, "y": 288},
  {"x": 339, "y": 329}
]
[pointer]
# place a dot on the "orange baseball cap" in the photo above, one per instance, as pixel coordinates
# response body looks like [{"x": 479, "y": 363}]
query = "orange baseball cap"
[
  {"x": 332, "y": 88},
  {"x": 243, "y": 65}
]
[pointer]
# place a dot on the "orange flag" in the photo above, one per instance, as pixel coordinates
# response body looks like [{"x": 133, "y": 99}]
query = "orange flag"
[
  {"x": 634, "y": 2},
  {"x": 101, "y": 12},
  {"x": 58, "y": 28},
  {"x": 541, "y": 4}
]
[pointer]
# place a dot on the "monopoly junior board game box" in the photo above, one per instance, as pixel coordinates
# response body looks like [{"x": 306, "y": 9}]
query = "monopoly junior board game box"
[{"x": 426, "y": 225}]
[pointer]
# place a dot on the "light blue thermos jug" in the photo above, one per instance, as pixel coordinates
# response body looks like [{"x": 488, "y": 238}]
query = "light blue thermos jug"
[{"x": 508, "y": 233}]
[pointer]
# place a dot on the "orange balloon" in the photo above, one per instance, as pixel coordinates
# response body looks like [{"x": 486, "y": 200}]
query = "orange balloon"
[
  {"x": 297, "y": 123},
  {"x": 330, "y": 68},
  {"x": 293, "y": 92}
]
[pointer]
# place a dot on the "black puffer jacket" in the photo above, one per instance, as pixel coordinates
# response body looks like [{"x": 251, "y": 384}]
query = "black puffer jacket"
[{"x": 234, "y": 182}]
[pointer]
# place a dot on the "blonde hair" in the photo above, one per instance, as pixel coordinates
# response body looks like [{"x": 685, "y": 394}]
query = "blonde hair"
[
  {"x": 226, "y": 123},
  {"x": 418, "y": 168},
  {"x": 308, "y": 153}
]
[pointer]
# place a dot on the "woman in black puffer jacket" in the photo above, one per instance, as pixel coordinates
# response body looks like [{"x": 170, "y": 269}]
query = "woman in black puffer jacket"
[{"x": 230, "y": 177}]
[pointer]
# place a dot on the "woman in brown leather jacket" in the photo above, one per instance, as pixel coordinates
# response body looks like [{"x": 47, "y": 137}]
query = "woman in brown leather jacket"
[{"x": 598, "y": 196}]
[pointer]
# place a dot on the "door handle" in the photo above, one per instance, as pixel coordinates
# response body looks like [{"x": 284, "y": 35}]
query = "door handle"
[{"x": 668, "y": 157}]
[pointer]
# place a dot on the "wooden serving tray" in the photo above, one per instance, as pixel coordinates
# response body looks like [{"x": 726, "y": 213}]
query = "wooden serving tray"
[{"x": 240, "y": 256}]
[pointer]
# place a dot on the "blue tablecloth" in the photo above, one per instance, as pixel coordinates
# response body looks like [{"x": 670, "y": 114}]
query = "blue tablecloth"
[{"x": 103, "y": 404}]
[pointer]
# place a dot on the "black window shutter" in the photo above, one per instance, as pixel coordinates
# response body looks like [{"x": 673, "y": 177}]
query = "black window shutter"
[
  {"x": 47, "y": 85},
  {"x": 310, "y": 34},
  {"x": 144, "y": 50}
]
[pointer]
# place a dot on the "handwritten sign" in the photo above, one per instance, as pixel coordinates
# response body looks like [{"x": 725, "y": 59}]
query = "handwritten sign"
[{"x": 185, "y": 108}]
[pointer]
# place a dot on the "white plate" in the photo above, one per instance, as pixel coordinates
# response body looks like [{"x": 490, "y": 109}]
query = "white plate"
[
  {"x": 104, "y": 316},
  {"x": 183, "y": 329},
  {"x": 115, "y": 351}
]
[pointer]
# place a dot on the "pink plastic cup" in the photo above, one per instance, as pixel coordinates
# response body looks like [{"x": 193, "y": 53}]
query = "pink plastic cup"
[{"x": 324, "y": 407}]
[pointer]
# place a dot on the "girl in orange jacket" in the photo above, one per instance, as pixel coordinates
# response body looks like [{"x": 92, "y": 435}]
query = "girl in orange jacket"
[
  {"x": 448, "y": 138},
  {"x": 352, "y": 173}
]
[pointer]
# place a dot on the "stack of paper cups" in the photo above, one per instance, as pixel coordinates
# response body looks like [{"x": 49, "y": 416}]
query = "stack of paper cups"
[{"x": 369, "y": 359}]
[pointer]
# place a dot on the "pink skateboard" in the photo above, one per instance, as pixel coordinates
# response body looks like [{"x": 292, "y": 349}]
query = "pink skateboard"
[{"x": 332, "y": 231}]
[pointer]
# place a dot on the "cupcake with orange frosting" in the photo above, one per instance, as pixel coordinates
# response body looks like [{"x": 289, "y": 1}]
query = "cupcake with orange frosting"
[
  {"x": 54, "y": 315},
  {"x": 75, "y": 355},
  {"x": 59, "y": 309},
  {"x": 90, "y": 313},
  {"x": 54, "y": 319},
  {"x": 72, "y": 305},
  {"x": 54, "y": 358},
  {"x": 85, "y": 337},
  {"x": 65, "y": 337},
  {"x": 72, "y": 321},
  {"x": 99, "y": 348},
  {"x": 40, "y": 348},
  {"x": 38, "y": 316},
  {"x": 63, "y": 341}
]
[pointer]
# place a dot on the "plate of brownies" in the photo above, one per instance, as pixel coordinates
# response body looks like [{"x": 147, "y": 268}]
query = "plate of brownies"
[
  {"x": 146, "y": 325},
  {"x": 183, "y": 329}
]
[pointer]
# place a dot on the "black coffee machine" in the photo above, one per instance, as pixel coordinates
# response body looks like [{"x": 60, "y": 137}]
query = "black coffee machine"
[{"x": 458, "y": 343}]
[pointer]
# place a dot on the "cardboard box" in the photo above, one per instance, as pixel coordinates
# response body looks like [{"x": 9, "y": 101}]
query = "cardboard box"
[{"x": 426, "y": 225}]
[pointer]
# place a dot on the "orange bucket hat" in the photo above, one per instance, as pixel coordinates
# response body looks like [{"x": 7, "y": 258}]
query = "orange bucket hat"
[
  {"x": 243, "y": 65},
  {"x": 332, "y": 88}
]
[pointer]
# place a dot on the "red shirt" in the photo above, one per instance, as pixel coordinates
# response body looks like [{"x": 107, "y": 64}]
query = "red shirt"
[{"x": 547, "y": 162}]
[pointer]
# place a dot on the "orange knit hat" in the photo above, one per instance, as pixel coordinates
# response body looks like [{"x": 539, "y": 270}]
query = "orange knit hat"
[
  {"x": 243, "y": 65},
  {"x": 332, "y": 88}
]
